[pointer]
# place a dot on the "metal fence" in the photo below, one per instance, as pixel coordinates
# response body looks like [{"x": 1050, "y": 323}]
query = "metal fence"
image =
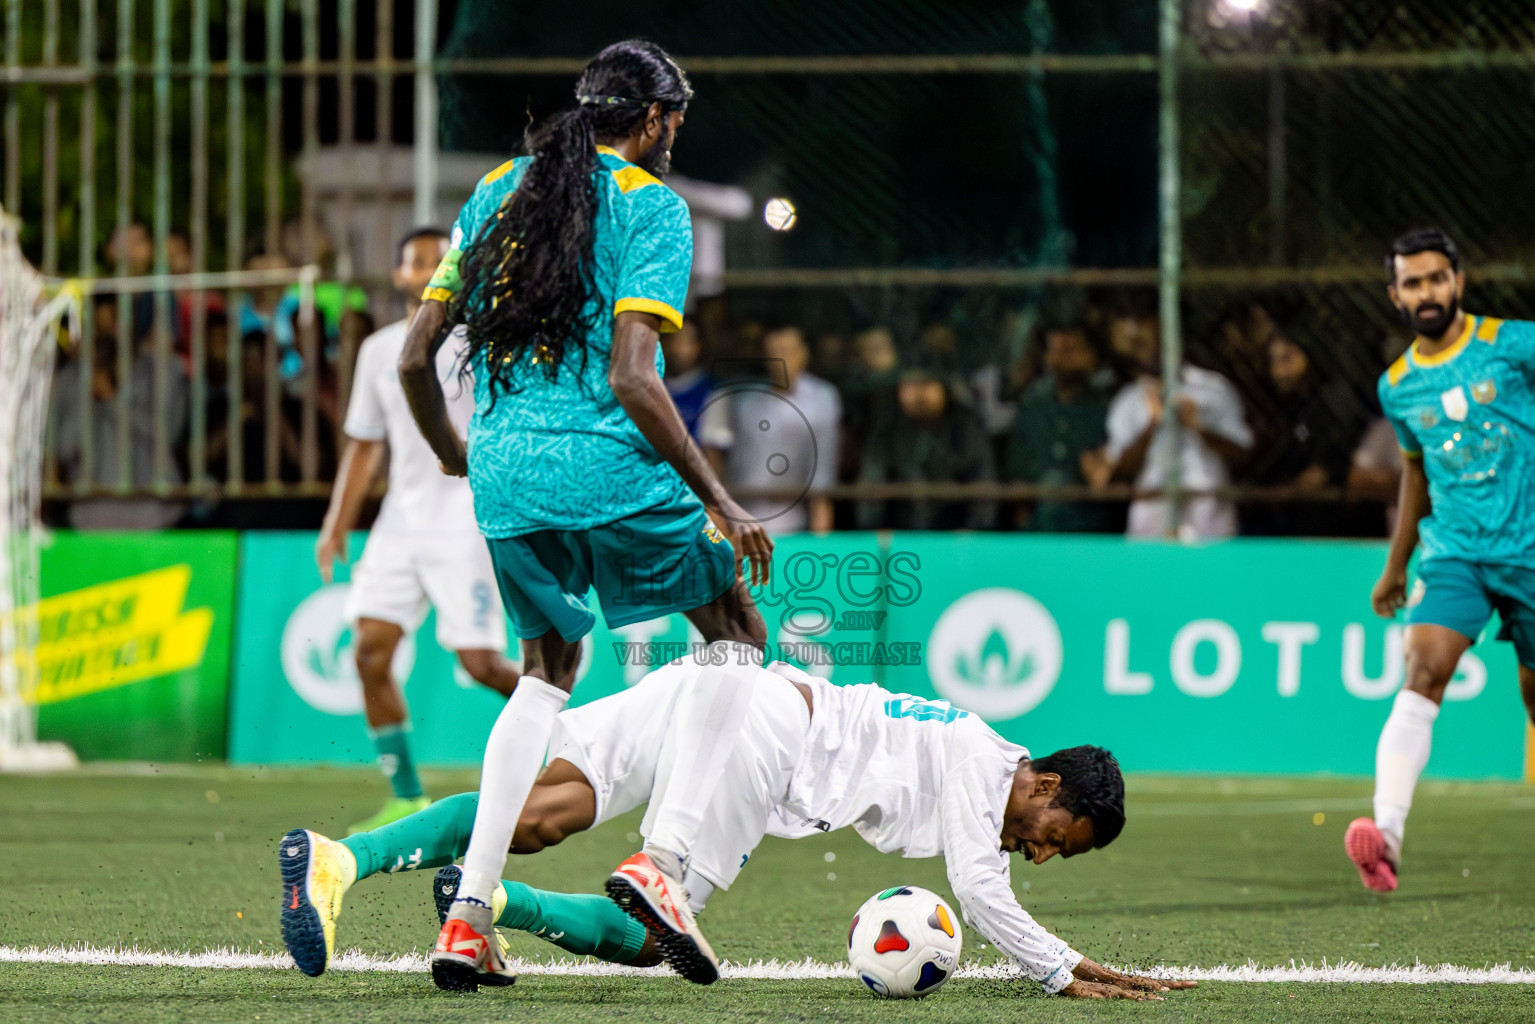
[{"x": 1292, "y": 139}]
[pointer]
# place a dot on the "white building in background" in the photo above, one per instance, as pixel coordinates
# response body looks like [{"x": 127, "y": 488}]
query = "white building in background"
[{"x": 366, "y": 194}]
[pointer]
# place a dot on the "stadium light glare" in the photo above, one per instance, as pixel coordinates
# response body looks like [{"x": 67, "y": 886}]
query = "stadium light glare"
[{"x": 1244, "y": 6}]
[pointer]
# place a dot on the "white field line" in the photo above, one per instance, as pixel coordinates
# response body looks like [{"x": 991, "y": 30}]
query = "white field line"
[{"x": 759, "y": 970}]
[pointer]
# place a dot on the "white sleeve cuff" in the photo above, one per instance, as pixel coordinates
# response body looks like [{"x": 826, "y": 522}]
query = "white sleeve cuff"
[
  {"x": 1062, "y": 975},
  {"x": 1058, "y": 980}
]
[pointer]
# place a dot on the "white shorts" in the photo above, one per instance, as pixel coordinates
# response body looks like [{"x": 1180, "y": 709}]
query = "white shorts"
[
  {"x": 399, "y": 575},
  {"x": 616, "y": 742}
]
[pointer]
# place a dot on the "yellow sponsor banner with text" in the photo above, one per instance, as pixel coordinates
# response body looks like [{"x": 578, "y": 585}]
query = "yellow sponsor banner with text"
[{"x": 112, "y": 634}]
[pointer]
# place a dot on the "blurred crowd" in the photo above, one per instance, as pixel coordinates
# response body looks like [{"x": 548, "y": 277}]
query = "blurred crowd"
[
  {"x": 279, "y": 362},
  {"x": 1066, "y": 394}
]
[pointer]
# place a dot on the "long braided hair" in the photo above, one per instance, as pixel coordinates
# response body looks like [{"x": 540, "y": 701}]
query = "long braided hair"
[{"x": 527, "y": 276}]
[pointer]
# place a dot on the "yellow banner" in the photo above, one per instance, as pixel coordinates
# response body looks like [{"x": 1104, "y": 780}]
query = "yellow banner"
[{"x": 112, "y": 634}]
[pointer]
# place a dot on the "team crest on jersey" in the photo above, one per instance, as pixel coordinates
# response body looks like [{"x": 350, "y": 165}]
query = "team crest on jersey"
[
  {"x": 1455, "y": 405},
  {"x": 712, "y": 532},
  {"x": 1485, "y": 391},
  {"x": 1428, "y": 418}
]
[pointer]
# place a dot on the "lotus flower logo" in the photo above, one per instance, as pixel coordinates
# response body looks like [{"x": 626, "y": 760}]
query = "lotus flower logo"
[
  {"x": 995, "y": 651},
  {"x": 994, "y": 667},
  {"x": 316, "y": 653},
  {"x": 325, "y": 660}
]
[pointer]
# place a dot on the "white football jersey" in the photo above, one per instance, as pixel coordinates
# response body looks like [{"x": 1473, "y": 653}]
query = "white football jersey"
[
  {"x": 421, "y": 499},
  {"x": 923, "y": 779}
]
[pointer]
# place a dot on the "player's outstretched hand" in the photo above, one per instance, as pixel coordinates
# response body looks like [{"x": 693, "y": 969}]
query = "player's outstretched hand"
[
  {"x": 328, "y": 550},
  {"x": 1080, "y": 989},
  {"x": 1390, "y": 592},
  {"x": 1091, "y": 973}
]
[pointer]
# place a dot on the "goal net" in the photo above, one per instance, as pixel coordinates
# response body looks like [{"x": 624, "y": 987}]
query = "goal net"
[{"x": 28, "y": 324}]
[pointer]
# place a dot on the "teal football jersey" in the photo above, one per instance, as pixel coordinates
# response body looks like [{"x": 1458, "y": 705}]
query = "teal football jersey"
[
  {"x": 1469, "y": 414},
  {"x": 563, "y": 454}
]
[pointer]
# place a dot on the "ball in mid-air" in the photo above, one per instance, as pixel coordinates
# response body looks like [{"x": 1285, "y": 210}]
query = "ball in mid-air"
[
  {"x": 904, "y": 942},
  {"x": 779, "y": 214}
]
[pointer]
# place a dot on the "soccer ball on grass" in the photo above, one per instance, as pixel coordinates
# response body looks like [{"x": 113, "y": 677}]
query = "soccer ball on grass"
[{"x": 904, "y": 942}]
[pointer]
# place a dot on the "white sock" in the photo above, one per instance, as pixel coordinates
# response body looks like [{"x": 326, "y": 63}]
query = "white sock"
[
  {"x": 513, "y": 755},
  {"x": 1400, "y": 757},
  {"x": 702, "y": 735}
]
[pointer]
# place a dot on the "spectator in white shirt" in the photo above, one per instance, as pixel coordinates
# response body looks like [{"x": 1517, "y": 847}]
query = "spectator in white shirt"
[
  {"x": 778, "y": 435},
  {"x": 1209, "y": 438}
]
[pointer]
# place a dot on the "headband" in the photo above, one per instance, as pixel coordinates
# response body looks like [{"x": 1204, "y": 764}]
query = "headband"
[{"x": 599, "y": 100}]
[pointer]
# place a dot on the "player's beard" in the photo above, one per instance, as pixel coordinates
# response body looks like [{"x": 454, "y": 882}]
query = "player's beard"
[
  {"x": 1434, "y": 327},
  {"x": 658, "y": 159}
]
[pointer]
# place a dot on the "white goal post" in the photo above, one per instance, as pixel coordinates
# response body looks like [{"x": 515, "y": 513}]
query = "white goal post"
[{"x": 28, "y": 341}]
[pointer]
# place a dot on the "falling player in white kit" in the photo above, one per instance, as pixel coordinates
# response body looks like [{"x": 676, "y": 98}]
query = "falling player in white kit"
[
  {"x": 425, "y": 545},
  {"x": 912, "y": 776}
]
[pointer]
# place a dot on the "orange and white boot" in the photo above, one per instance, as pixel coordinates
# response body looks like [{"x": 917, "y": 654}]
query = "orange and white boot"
[
  {"x": 468, "y": 951},
  {"x": 660, "y": 903}
]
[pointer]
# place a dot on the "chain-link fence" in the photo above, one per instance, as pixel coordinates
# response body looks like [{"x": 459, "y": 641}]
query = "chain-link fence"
[{"x": 1007, "y": 213}]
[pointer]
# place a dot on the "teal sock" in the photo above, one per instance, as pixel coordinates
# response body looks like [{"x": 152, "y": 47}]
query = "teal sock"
[
  {"x": 582, "y": 924},
  {"x": 429, "y": 838},
  {"x": 393, "y": 743}
]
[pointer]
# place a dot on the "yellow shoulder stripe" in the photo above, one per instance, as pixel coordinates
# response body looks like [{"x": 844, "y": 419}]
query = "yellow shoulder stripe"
[
  {"x": 499, "y": 172},
  {"x": 1398, "y": 370},
  {"x": 630, "y": 177},
  {"x": 1487, "y": 330},
  {"x": 671, "y": 320},
  {"x": 1411, "y": 455}
]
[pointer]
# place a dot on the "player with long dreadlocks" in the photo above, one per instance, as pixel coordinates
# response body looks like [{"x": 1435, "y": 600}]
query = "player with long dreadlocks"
[{"x": 565, "y": 267}]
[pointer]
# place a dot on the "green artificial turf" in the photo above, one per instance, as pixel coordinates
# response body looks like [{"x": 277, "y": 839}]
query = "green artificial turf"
[{"x": 1207, "y": 872}]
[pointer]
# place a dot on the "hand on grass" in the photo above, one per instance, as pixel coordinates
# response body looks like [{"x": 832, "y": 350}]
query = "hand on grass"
[
  {"x": 1080, "y": 989},
  {"x": 1106, "y": 983}
]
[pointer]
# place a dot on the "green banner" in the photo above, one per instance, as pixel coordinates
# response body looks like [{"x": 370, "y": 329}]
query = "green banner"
[
  {"x": 296, "y": 692},
  {"x": 133, "y": 644},
  {"x": 1246, "y": 656}
]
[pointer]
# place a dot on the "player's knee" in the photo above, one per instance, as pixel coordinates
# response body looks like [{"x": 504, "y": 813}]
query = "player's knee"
[
  {"x": 537, "y": 831},
  {"x": 374, "y": 660},
  {"x": 479, "y": 664},
  {"x": 1428, "y": 675}
]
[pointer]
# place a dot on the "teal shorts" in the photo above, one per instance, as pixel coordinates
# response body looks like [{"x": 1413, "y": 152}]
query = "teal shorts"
[
  {"x": 665, "y": 559},
  {"x": 1462, "y": 596}
]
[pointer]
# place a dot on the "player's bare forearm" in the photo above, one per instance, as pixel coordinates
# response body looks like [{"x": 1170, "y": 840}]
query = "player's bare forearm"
[
  {"x": 638, "y": 388},
  {"x": 1413, "y": 505},
  {"x": 359, "y": 465},
  {"x": 633, "y": 379},
  {"x": 360, "y": 461},
  {"x": 428, "y": 329}
]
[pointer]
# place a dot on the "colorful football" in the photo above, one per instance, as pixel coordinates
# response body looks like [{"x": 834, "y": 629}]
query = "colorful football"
[{"x": 904, "y": 942}]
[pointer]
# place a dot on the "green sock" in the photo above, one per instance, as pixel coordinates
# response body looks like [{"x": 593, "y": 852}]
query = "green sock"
[
  {"x": 430, "y": 838},
  {"x": 582, "y": 924},
  {"x": 393, "y": 743}
]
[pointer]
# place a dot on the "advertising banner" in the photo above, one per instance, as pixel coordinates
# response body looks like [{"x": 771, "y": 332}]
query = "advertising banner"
[
  {"x": 133, "y": 643},
  {"x": 1246, "y": 656},
  {"x": 296, "y": 692}
]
